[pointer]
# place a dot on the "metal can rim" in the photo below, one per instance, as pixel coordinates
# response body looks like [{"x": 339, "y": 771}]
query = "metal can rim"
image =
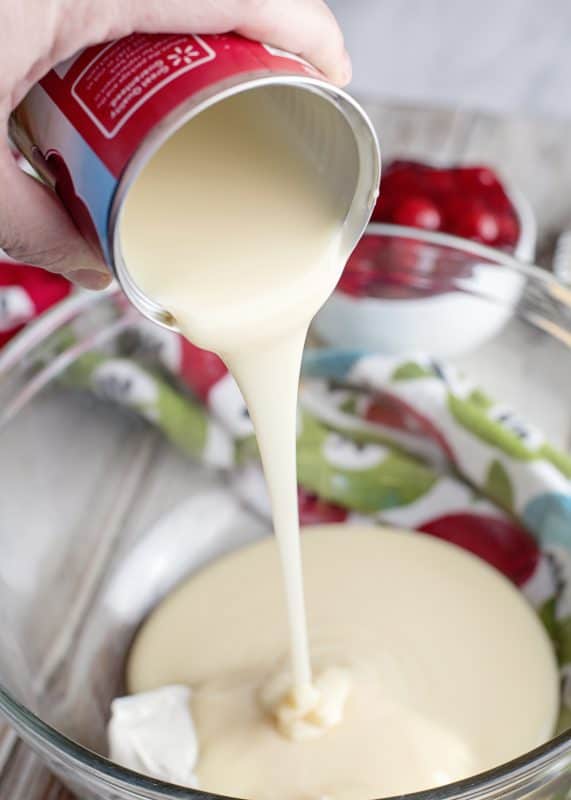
[{"x": 195, "y": 105}]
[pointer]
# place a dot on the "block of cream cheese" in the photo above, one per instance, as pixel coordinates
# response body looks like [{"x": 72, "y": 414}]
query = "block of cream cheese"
[{"x": 153, "y": 733}]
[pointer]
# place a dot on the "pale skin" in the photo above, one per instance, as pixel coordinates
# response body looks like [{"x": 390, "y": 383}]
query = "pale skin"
[{"x": 37, "y": 34}]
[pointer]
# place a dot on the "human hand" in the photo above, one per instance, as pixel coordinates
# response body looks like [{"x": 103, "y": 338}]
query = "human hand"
[{"x": 37, "y": 34}]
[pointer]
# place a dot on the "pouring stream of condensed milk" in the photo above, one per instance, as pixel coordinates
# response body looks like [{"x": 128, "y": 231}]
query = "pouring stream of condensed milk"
[
  {"x": 231, "y": 229},
  {"x": 242, "y": 243}
]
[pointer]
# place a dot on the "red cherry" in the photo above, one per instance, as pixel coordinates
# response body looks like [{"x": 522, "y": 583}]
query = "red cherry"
[
  {"x": 474, "y": 179},
  {"x": 467, "y": 201},
  {"x": 404, "y": 179},
  {"x": 313, "y": 511},
  {"x": 420, "y": 266},
  {"x": 502, "y": 543},
  {"x": 383, "y": 207},
  {"x": 395, "y": 268},
  {"x": 381, "y": 267},
  {"x": 417, "y": 212},
  {"x": 361, "y": 269},
  {"x": 472, "y": 220},
  {"x": 482, "y": 225},
  {"x": 200, "y": 369},
  {"x": 406, "y": 171},
  {"x": 439, "y": 182},
  {"x": 415, "y": 177},
  {"x": 508, "y": 233},
  {"x": 386, "y": 291},
  {"x": 497, "y": 200},
  {"x": 397, "y": 185},
  {"x": 365, "y": 255},
  {"x": 401, "y": 178},
  {"x": 354, "y": 285}
]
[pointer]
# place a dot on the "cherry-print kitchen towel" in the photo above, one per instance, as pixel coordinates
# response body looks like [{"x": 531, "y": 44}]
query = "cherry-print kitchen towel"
[{"x": 408, "y": 442}]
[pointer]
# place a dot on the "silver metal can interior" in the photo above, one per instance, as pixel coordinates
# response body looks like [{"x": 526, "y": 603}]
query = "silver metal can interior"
[{"x": 333, "y": 129}]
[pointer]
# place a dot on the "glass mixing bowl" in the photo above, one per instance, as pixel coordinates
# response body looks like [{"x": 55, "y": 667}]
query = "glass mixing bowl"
[{"x": 83, "y": 482}]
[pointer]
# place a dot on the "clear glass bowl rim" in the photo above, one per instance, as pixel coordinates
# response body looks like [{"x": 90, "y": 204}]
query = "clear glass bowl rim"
[{"x": 552, "y": 756}]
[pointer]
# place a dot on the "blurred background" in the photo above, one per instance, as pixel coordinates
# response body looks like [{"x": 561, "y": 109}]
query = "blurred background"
[{"x": 511, "y": 56}]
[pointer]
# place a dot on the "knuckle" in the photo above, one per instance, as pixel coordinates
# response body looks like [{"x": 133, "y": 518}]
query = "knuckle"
[
  {"x": 251, "y": 9},
  {"x": 53, "y": 258},
  {"x": 334, "y": 33}
]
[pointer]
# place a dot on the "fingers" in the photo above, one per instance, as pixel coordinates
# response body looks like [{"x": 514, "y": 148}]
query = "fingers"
[
  {"x": 35, "y": 229},
  {"x": 305, "y": 27}
]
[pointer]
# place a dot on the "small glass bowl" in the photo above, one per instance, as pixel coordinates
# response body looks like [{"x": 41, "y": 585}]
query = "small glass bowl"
[{"x": 401, "y": 284}]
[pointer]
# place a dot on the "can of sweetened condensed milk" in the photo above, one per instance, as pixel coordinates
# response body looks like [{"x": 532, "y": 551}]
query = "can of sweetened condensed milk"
[{"x": 94, "y": 121}]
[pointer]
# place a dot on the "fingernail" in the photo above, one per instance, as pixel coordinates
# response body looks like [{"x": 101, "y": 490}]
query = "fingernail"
[{"x": 90, "y": 278}]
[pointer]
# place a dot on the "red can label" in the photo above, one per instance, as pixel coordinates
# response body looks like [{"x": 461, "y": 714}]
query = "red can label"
[
  {"x": 122, "y": 77},
  {"x": 86, "y": 119}
]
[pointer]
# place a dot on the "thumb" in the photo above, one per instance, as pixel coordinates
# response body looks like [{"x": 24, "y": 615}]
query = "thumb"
[
  {"x": 35, "y": 228},
  {"x": 305, "y": 27}
]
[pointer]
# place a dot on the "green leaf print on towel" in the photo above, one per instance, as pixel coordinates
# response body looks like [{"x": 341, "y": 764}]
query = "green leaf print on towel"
[
  {"x": 498, "y": 486},
  {"x": 411, "y": 370},
  {"x": 477, "y": 421},
  {"x": 367, "y": 478}
]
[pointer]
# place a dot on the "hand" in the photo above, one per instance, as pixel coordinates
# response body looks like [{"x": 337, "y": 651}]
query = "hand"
[{"x": 37, "y": 34}]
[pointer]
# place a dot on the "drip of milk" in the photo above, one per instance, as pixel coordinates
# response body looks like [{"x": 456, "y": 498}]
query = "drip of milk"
[{"x": 231, "y": 229}]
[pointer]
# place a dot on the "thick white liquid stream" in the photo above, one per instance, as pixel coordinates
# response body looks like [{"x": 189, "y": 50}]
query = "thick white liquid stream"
[
  {"x": 272, "y": 403},
  {"x": 241, "y": 242}
]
